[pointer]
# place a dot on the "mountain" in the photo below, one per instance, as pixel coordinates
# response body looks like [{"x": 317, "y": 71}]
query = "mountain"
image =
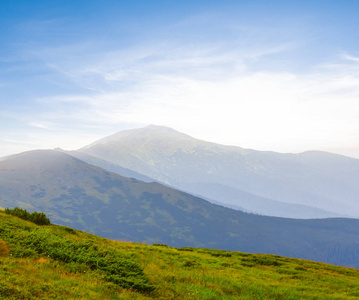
[
  {"x": 251, "y": 203},
  {"x": 305, "y": 185},
  {"x": 55, "y": 262},
  {"x": 76, "y": 194},
  {"x": 104, "y": 164}
]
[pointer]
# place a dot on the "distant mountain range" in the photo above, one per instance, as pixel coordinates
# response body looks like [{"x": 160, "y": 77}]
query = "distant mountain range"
[
  {"x": 74, "y": 193},
  {"x": 306, "y": 185}
]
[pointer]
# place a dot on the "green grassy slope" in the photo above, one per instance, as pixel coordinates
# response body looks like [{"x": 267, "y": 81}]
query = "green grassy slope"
[{"x": 54, "y": 262}]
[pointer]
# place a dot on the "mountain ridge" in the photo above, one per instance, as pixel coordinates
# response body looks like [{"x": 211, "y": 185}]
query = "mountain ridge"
[{"x": 315, "y": 179}]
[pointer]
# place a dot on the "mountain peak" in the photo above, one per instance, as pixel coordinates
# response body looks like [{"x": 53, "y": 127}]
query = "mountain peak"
[
  {"x": 160, "y": 131},
  {"x": 151, "y": 134},
  {"x": 157, "y": 127}
]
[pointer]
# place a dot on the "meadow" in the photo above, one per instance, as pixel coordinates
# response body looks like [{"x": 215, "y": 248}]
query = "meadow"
[{"x": 56, "y": 262}]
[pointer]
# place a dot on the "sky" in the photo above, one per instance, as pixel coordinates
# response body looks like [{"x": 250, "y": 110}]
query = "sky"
[{"x": 266, "y": 75}]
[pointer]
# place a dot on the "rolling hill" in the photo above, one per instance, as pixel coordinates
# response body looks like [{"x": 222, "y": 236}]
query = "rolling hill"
[
  {"x": 306, "y": 185},
  {"x": 76, "y": 194}
]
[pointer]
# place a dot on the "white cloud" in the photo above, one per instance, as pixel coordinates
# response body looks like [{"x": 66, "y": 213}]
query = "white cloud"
[
  {"x": 278, "y": 111},
  {"x": 211, "y": 92}
]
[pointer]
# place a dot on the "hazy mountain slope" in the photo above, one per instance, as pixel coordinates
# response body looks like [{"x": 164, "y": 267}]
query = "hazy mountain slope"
[
  {"x": 89, "y": 198},
  {"x": 251, "y": 203},
  {"x": 226, "y": 196},
  {"x": 104, "y": 164},
  {"x": 325, "y": 181}
]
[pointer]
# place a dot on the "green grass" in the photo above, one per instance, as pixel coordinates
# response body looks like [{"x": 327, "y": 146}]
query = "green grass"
[{"x": 55, "y": 262}]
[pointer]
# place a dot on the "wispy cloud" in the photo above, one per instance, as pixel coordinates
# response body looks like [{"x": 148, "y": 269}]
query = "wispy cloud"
[
  {"x": 46, "y": 126},
  {"x": 350, "y": 57},
  {"x": 264, "y": 110}
]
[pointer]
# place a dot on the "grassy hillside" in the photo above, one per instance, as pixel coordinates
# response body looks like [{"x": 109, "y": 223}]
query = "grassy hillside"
[{"x": 55, "y": 262}]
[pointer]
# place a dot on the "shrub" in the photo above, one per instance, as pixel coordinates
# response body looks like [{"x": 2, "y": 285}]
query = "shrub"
[
  {"x": 160, "y": 245},
  {"x": 69, "y": 230},
  {"x": 35, "y": 217}
]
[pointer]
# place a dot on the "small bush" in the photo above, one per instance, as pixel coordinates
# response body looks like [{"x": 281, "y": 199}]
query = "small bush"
[
  {"x": 189, "y": 263},
  {"x": 4, "y": 249},
  {"x": 69, "y": 230},
  {"x": 221, "y": 254},
  {"x": 35, "y": 217},
  {"x": 185, "y": 249},
  {"x": 160, "y": 245}
]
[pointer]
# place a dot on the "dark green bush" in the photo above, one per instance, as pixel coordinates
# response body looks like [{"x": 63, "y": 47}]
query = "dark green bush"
[
  {"x": 69, "y": 230},
  {"x": 35, "y": 217}
]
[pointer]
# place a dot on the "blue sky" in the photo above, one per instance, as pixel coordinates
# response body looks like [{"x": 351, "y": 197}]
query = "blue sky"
[{"x": 266, "y": 75}]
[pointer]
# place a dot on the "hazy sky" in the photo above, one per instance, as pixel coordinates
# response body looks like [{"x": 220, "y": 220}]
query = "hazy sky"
[{"x": 266, "y": 75}]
